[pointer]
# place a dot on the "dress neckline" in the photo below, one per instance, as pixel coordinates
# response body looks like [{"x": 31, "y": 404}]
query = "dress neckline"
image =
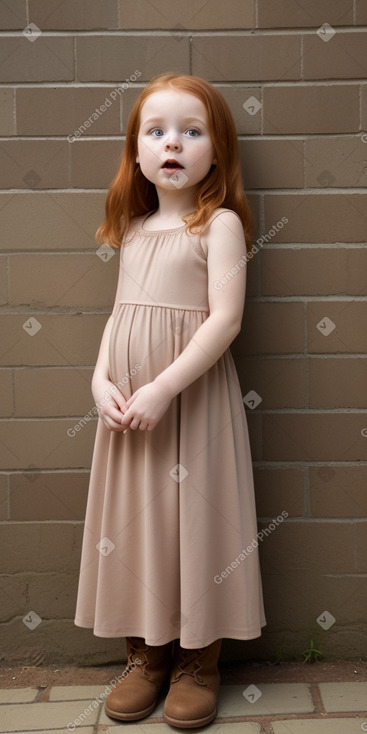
[{"x": 158, "y": 231}]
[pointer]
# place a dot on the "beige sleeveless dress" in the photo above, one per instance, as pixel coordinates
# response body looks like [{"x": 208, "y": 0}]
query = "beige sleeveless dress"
[{"x": 170, "y": 511}]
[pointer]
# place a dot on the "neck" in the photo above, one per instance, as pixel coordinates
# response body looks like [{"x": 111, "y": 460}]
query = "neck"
[{"x": 175, "y": 204}]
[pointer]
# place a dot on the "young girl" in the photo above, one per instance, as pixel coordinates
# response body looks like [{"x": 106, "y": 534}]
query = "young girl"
[{"x": 171, "y": 505}]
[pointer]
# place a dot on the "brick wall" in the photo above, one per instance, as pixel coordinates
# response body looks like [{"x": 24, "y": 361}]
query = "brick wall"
[{"x": 299, "y": 99}]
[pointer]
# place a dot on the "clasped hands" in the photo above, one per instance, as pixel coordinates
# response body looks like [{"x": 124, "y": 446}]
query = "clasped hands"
[{"x": 143, "y": 410}]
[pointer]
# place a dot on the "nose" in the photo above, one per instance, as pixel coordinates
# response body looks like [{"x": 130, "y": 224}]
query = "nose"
[{"x": 172, "y": 142}]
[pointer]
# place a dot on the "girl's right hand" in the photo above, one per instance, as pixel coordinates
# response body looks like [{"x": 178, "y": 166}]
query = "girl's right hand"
[{"x": 110, "y": 403}]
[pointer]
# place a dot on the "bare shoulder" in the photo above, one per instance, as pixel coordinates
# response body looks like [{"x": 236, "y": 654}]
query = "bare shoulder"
[{"x": 223, "y": 223}]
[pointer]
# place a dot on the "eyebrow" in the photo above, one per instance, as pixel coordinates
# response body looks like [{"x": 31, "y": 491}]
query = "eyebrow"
[{"x": 185, "y": 119}]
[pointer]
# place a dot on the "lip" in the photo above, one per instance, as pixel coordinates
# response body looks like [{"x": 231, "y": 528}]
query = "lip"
[{"x": 172, "y": 169}]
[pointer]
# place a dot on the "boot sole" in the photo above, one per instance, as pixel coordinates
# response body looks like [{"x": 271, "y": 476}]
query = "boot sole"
[
  {"x": 133, "y": 716},
  {"x": 190, "y": 724}
]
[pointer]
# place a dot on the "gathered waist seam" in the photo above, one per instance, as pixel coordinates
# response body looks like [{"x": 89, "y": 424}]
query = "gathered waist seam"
[{"x": 175, "y": 306}]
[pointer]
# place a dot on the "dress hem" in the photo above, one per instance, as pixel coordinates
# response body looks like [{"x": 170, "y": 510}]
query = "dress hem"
[{"x": 220, "y": 634}]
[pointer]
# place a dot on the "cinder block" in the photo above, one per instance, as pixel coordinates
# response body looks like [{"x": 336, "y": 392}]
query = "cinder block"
[
  {"x": 4, "y": 492},
  {"x": 53, "y": 594},
  {"x": 260, "y": 332},
  {"x": 338, "y": 383},
  {"x": 14, "y": 16},
  {"x": 288, "y": 14},
  {"x": 36, "y": 495},
  {"x": 75, "y": 217},
  {"x": 361, "y": 12},
  {"x": 73, "y": 280},
  {"x": 281, "y": 383},
  {"x": 173, "y": 15},
  {"x": 247, "y": 119},
  {"x": 34, "y": 164},
  {"x": 278, "y": 489},
  {"x": 246, "y": 58},
  {"x": 311, "y": 109},
  {"x": 272, "y": 164},
  {"x": 65, "y": 110},
  {"x": 336, "y": 326},
  {"x": 57, "y": 640},
  {"x": 3, "y": 280},
  {"x": 58, "y": 339},
  {"x": 40, "y": 547},
  {"x": 288, "y": 601},
  {"x": 85, "y": 174},
  {"x": 253, "y": 278},
  {"x": 45, "y": 59},
  {"x": 53, "y": 392},
  {"x": 6, "y": 393},
  {"x": 317, "y": 217},
  {"x": 342, "y": 57},
  {"x": 313, "y": 271},
  {"x": 13, "y": 589},
  {"x": 361, "y": 547},
  {"x": 338, "y": 491},
  {"x": 80, "y": 16},
  {"x": 336, "y": 161},
  {"x": 45, "y": 444},
  {"x": 115, "y": 58},
  {"x": 314, "y": 437},
  {"x": 7, "y": 126},
  {"x": 314, "y": 548}
]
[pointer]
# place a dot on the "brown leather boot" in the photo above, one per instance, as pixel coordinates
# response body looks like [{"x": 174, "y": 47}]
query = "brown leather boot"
[
  {"x": 194, "y": 683},
  {"x": 147, "y": 669}
]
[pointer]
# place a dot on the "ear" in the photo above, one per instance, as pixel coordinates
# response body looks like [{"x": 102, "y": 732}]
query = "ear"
[
  {"x": 214, "y": 162},
  {"x": 137, "y": 159}
]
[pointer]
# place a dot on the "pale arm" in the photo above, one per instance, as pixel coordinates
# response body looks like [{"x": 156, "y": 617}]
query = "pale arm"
[
  {"x": 109, "y": 400},
  {"x": 226, "y": 245}
]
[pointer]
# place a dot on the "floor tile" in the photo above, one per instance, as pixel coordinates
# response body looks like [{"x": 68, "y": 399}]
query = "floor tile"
[
  {"x": 80, "y": 729},
  {"x": 30, "y": 717},
  {"x": 317, "y": 726},
  {"x": 77, "y": 693},
  {"x": 138, "y": 728},
  {"x": 344, "y": 696},
  {"x": 266, "y": 698},
  {"x": 18, "y": 695},
  {"x": 237, "y": 728}
]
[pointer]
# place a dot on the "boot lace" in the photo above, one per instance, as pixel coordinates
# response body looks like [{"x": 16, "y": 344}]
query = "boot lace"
[
  {"x": 189, "y": 664},
  {"x": 138, "y": 655}
]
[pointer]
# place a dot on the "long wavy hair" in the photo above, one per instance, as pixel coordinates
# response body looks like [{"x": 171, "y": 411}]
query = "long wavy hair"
[{"x": 131, "y": 194}]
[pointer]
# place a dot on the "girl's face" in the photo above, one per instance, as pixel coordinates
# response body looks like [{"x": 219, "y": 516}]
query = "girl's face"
[{"x": 175, "y": 149}]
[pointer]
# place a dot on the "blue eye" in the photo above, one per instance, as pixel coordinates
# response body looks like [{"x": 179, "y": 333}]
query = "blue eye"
[
  {"x": 192, "y": 130},
  {"x": 157, "y": 130}
]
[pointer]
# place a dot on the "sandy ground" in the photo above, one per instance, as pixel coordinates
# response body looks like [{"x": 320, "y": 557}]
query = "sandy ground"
[{"x": 22, "y": 676}]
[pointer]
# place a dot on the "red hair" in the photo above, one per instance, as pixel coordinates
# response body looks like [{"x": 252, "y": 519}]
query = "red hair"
[{"x": 131, "y": 194}]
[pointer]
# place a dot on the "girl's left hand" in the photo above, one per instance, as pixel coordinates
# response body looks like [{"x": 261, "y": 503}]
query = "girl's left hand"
[{"x": 146, "y": 407}]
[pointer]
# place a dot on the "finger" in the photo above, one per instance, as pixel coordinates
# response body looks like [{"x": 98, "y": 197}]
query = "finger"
[
  {"x": 121, "y": 402},
  {"x": 132, "y": 398},
  {"x": 114, "y": 412},
  {"x": 112, "y": 425}
]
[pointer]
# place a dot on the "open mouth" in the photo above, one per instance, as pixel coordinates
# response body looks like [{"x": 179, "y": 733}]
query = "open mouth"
[{"x": 172, "y": 165}]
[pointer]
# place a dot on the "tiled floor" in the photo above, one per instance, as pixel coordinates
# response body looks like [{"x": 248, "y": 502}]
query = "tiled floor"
[{"x": 271, "y": 708}]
